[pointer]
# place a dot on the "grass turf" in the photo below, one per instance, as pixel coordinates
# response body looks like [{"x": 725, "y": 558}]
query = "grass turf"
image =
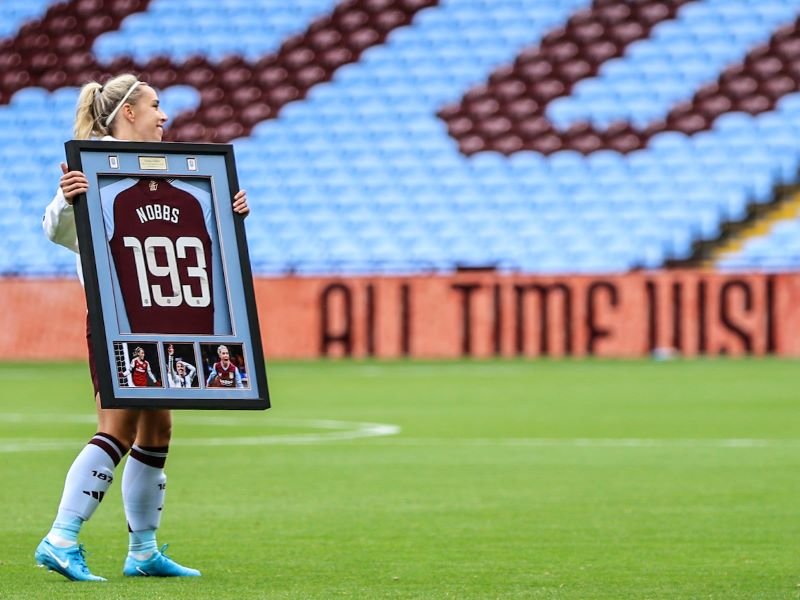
[{"x": 515, "y": 479}]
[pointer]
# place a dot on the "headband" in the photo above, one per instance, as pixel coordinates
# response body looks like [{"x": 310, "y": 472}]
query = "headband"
[{"x": 114, "y": 112}]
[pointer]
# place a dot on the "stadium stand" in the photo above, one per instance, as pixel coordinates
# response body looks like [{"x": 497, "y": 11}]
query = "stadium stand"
[{"x": 407, "y": 136}]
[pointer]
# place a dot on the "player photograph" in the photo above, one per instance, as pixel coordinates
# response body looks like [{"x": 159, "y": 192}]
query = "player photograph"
[
  {"x": 225, "y": 366},
  {"x": 180, "y": 365},
  {"x": 138, "y": 364}
]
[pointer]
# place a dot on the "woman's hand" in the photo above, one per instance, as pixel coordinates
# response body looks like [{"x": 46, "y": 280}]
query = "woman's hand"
[
  {"x": 240, "y": 203},
  {"x": 73, "y": 183}
]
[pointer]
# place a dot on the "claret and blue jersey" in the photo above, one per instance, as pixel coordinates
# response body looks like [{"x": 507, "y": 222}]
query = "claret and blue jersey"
[{"x": 158, "y": 233}]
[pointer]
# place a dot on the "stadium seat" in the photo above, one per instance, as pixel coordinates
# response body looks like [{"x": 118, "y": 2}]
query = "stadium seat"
[{"x": 568, "y": 124}]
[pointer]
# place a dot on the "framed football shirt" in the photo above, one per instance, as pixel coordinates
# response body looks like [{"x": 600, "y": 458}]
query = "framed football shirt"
[{"x": 165, "y": 265}]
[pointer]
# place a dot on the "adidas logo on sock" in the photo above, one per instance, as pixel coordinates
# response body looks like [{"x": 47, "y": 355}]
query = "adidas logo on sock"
[{"x": 96, "y": 495}]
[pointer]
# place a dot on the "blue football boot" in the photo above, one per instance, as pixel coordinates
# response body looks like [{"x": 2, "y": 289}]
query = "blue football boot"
[
  {"x": 69, "y": 562},
  {"x": 158, "y": 565}
]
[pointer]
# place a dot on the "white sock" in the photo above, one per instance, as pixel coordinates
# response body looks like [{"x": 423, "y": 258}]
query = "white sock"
[
  {"x": 144, "y": 486},
  {"x": 87, "y": 482},
  {"x": 142, "y": 544}
]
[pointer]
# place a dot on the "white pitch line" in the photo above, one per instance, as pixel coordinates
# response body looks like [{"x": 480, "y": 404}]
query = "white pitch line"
[
  {"x": 597, "y": 442},
  {"x": 365, "y": 431},
  {"x": 332, "y": 431},
  {"x": 329, "y": 430},
  {"x": 376, "y": 430}
]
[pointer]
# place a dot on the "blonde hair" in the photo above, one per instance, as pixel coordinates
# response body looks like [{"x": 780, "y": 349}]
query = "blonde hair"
[{"x": 97, "y": 102}]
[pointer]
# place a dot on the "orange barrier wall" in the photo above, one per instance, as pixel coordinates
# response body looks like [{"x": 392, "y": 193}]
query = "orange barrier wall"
[
  {"x": 42, "y": 319},
  {"x": 468, "y": 314}
]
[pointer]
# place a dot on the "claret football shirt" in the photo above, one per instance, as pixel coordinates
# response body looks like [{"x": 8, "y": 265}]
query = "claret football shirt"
[{"x": 162, "y": 252}]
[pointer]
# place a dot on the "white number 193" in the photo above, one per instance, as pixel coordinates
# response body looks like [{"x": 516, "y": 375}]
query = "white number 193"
[{"x": 145, "y": 258}]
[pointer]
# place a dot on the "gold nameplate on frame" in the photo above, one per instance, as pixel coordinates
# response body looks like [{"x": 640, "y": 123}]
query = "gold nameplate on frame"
[{"x": 153, "y": 163}]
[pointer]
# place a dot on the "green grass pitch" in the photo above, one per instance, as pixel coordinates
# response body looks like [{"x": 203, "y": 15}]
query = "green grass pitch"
[{"x": 463, "y": 480}]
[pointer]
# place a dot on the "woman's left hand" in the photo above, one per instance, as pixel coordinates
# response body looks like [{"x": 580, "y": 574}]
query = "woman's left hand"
[{"x": 240, "y": 203}]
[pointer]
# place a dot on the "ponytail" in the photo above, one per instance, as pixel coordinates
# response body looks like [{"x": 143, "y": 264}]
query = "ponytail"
[
  {"x": 85, "y": 120},
  {"x": 100, "y": 103}
]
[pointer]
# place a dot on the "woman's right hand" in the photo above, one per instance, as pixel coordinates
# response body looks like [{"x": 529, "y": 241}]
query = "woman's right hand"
[{"x": 73, "y": 183}]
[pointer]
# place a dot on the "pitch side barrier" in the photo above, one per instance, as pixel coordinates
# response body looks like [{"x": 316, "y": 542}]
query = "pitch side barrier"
[{"x": 687, "y": 313}]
